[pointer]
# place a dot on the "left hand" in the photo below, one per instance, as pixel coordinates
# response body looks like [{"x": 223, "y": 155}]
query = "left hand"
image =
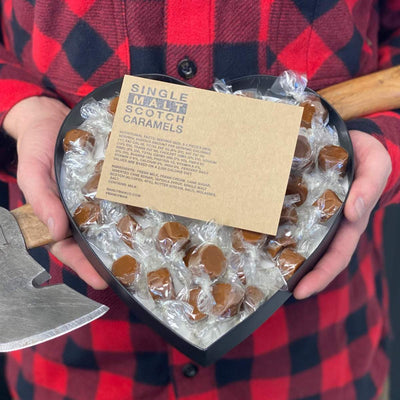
[
  {"x": 372, "y": 169},
  {"x": 34, "y": 122}
]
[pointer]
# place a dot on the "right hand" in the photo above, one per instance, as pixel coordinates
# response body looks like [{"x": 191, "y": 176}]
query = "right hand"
[
  {"x": 34, "y": 122},
  {"x": 373, "y": 167}
]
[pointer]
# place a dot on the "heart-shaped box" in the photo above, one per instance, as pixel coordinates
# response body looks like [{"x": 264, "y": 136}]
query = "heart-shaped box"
[{"x": 203, "y": 356}]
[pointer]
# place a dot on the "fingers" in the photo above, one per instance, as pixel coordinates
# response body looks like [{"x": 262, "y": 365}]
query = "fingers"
[
  {"x": 333, "y": 262},
  {"x": 373, "y": 167},
  {"x": 35, "y": 123},
  {"x": 69, "y": 253}
]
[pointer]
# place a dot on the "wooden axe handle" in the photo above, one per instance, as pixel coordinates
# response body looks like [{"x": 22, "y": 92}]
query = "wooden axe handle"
[
  {"x": 367, "y": 94},
  {"x": 33, "y": 230},
  {"x": 354, "y": 98}
]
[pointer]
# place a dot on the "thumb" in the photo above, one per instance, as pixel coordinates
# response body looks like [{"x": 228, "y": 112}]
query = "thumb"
[{"x": 373, "y": 167}]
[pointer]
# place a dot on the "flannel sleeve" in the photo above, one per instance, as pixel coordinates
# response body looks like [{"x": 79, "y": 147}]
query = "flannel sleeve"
[
  {"x": 385, "y": 126},
  {"x": 16, "y": 84}
]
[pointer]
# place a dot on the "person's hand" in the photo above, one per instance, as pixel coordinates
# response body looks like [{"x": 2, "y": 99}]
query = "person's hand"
[
  {"x": 34, "y": 123},
  {"x": 373, "y": 167}
]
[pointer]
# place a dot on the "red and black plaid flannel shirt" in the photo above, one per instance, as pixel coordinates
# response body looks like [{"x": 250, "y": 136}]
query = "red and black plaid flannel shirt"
[{"x": 330, "y": 346}]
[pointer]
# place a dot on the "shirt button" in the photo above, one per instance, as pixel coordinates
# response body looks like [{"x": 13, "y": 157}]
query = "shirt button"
[
  {"x": 190, "y": 370},
  {"x": 187, "y": 68}
]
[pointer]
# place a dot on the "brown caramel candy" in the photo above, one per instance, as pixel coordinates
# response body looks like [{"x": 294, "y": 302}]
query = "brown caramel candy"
[
  {"x": 275, "y": 245},
  {"x": 288, "y": 215},
  {"x": 77, "y": 137},
  {"x": 312, "y": 107},
  {"x": 87, "y": 213},
  {"x": 172, "y": 235},
  {"x": 210, "y": 259},
  {"x": 241, "y": 275},
  {"x": 125, "y": 269},
  {"x": 253, "y": 297},
  {"x": 328, "y": 204},
  {"x": 98, "y": 167},
  {"x": 196, "y": 314},
  {"x": 160, "y": 284},
  {"x": 113, "y": 105},
  {"x": 297, "y": 186},
  {"x": 241, "y": 236},
  {"x": 228, "y": 299},
  {"x": 289, "y": 261},
  {"x": 308, "y": 113},
  {"x": 303, "y": 157},
  {"x": 188, "y": 254},
  {"x": 136, "y": 210},
  {"x": 127, "y": 226},
  {"x": 333, "y": 157},
  {"x": 90, "y": 188}
]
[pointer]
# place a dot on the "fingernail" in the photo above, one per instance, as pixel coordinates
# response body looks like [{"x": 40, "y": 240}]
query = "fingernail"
[
  {"x": 50, "y": 225},
  {"x": 360, "y": 207}
]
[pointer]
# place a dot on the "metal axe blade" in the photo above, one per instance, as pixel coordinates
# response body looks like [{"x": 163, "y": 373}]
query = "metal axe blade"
[{"x": 30, "y": 314}]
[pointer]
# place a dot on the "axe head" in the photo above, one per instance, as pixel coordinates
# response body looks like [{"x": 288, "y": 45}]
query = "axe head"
[{"x": 30, "y": 314}]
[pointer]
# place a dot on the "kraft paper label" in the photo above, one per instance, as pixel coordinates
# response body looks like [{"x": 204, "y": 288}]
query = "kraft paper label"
[{"x": 200, "y": 154}]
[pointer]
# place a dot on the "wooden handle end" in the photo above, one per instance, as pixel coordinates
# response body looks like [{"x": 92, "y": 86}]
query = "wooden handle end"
[{"x": 34, "y": 231}]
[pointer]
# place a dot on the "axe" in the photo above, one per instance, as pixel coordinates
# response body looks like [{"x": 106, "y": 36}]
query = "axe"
[{"x": 30, "y": 314}]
